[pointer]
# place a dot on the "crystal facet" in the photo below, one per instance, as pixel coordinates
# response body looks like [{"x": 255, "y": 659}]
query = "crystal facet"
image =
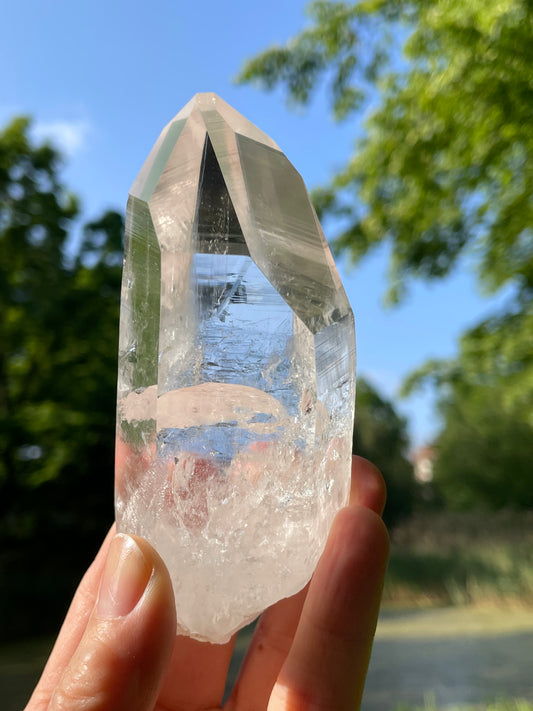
[{"x": 236, "y": 371}]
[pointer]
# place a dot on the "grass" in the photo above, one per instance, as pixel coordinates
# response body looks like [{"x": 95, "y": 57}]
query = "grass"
[{"x": 462, "y": 559}]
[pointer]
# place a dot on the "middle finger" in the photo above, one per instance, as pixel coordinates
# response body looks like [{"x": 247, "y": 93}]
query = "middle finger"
[
  {"x": 196, "y": 675},
  {"x": 275, "y": 630}
]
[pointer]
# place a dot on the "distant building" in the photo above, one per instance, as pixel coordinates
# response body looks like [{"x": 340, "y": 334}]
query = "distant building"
[{"x": 423, "y": 459}]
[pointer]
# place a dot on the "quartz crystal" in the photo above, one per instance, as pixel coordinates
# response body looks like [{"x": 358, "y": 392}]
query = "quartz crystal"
[{"x": 236, "y": 380}]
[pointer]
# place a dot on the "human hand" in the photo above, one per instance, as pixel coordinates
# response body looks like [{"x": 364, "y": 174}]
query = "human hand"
[{"x": 117, "y": 649}]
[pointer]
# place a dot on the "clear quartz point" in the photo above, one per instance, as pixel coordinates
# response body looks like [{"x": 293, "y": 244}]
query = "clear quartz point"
[{"x": 236, "y": 380}]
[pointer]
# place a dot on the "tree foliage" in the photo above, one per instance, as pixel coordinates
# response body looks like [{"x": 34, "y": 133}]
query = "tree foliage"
[
  {"x": 445, "y": 161},
  {"x": 485, "y": 446},
  {"x": 442, "y": 172},
  {"x": 494, "y": 355},
  {"x": 484, "y": 452},
  {"x": 380, "y": 435},
  {"x": 58, "y": 344},
  {"x": 445, "y": 166}
]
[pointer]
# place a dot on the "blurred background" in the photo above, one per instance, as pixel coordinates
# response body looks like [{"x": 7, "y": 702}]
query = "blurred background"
[{"x": 411, "y": 123}]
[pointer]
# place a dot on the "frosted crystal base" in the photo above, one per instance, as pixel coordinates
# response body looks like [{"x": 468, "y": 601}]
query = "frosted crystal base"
[{"x": 236, "y": 371}]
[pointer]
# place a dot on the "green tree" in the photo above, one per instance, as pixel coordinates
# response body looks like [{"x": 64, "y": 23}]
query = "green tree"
[
  {"x": 58, "y": 344},
  {"x": 442, "y": 172},
  {"x": 444, "y": 168},
  {"x": 485, "y": 447},
  {"x": 484, "y": 453},
  {"x": 380, "y": 434}
]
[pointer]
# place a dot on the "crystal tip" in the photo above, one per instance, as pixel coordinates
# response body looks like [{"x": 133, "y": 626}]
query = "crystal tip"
[
  {"x": 204, "y": 98},
  {"x": 204, "y": 101}
]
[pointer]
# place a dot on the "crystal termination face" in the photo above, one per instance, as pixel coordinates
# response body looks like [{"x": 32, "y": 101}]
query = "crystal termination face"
[{"x": 236, "y": 380}]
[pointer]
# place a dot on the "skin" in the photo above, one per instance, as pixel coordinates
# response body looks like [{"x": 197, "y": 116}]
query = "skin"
[{"x": 118, "y": 651}]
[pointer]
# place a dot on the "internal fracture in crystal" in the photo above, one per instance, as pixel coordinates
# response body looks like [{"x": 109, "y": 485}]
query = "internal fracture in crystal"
[{"x": 236, "y": 377}]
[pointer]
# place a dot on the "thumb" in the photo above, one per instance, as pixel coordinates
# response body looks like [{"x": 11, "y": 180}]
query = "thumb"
[{"x": 121, "y": 658}]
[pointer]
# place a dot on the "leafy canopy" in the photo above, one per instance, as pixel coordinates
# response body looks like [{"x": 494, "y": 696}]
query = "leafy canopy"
[
  {"x": 445, "y": 164},
  {"x": 484, "y": 451},
  {"x": 443, "y": 171},
  {"x": 58, "y": 345},
  {"x": 380, "y": 434}
]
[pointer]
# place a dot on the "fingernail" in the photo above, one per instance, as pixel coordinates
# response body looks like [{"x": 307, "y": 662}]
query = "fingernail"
[{"x": 124, "y": 579}]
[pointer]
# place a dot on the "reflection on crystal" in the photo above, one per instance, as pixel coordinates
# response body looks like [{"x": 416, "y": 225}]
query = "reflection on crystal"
[{"x": 236, "y": 371}]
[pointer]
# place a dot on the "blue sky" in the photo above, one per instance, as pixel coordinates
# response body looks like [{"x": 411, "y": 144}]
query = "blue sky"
[{"x": 103, "y": 78}]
